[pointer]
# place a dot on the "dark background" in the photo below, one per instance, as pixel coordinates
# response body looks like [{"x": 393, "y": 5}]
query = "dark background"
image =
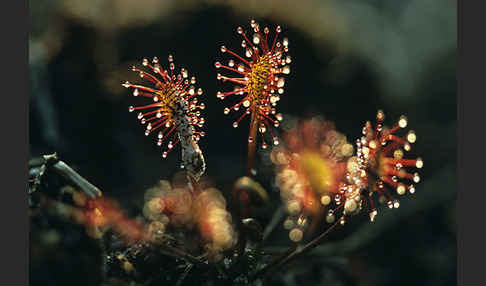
[{"x": 349, "y": 59}]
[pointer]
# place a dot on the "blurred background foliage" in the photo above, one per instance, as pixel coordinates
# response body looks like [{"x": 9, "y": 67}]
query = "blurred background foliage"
[{"x": 350, "y": 58}]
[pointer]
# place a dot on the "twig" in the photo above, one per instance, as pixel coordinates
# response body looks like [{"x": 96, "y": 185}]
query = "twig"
[
  {"x": 184, "y": 274},
  {"x": 179, "y": 254},
  {"x": 64, "y": 170},
  {"x": 277, "y": 216},
  {"x": 68, "y": 173},
  {"x": 297, "y": 252}
]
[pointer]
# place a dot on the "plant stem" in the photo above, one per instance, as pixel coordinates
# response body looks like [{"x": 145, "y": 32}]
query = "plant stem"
[
  {"x": 237, "y": 203},
  {"x": 252, "y": 142},
  {"x": 291, "y": 255},
  {"x": 277, "y": 216},
  {"x": 184, "y": 274},
  {"x": 193, "y": 184}
]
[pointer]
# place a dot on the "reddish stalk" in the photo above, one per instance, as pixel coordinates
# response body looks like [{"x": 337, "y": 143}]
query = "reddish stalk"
[{"x": 252, "y": 143}]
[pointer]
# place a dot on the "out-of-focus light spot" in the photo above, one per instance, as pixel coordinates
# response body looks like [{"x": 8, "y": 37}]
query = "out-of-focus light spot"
[{"x": 296, "y": 235}]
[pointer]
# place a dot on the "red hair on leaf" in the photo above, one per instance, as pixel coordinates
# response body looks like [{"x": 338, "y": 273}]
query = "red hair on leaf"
[
  {"x": 381, "y": 164},
  {"x": 258, "y": 79},
  {"x": 174, "y": 112}
]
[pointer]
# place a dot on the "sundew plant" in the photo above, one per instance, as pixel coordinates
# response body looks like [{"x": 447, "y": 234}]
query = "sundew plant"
[{"x": 188, "y": 230}]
